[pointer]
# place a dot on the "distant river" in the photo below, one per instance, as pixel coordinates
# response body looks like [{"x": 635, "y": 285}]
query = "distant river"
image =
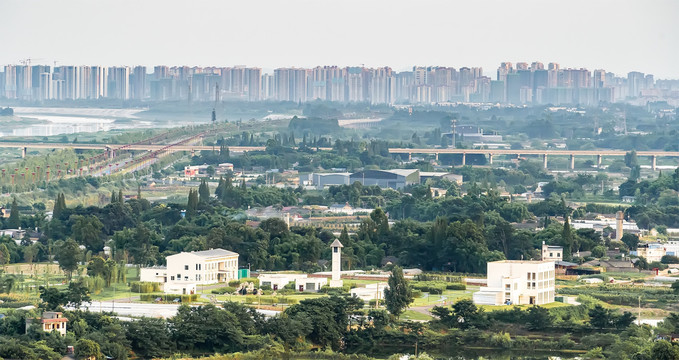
[{"x": 56, "y": 121}]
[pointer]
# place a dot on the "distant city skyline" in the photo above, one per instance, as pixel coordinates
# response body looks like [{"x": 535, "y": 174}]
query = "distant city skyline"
[
  {"x": 519, "y": 83},
  {"x": 619, "y": 36}
]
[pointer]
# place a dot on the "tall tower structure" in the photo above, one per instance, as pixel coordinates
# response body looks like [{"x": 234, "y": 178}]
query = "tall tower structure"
[
  {"x": 619, "y": 216},
  {"x": 336, "y": 280}
]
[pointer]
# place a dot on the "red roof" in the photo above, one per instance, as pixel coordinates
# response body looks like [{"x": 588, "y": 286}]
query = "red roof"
[{"x": 59, "y": 320}]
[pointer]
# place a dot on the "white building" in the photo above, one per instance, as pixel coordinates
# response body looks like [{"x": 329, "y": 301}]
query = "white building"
[
  {"x": 187, "y": 269},
  {"x": 370, "y": 292},
  {"x": 518, "y": 282},
  {"x": 651, "y": 252},
  {"x": 302, "y": 281},
  {"x": 551, "y": 252}
]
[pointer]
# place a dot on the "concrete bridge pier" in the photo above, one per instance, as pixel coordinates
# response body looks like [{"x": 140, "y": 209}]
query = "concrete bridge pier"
[
  {"x": 654, "y": 162},
  {"x": 437, "y": 156},
  {"x": 544, "y": 161},
  {"x": 490, "y": 159},
  {"x": 572, "y": 162},
  {"x": 464, "y": 159},
  {"x": 598, "y": 161},
  {"x": 23, "y": 152},
  {"x": 410, "y": 156}
]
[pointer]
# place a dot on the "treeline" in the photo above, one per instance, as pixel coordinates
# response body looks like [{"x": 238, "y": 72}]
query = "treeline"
[{"x": 448, "y": 234}]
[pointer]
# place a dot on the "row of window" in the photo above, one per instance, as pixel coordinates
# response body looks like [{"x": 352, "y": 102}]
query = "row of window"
[{"x": 214, "y": 265}]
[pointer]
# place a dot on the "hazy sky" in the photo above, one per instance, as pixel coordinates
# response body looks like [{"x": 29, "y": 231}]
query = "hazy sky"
[{"x": 617, "y": 35}]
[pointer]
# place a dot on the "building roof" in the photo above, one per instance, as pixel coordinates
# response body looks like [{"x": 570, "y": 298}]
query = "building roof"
[
  {"x": 565, "y": 263},
  {"x": 213, "y": 253},
  {"x": 554, "y": 247},
  {"x": 336, "y": 243},
  {"x": 522, "y": 261}
]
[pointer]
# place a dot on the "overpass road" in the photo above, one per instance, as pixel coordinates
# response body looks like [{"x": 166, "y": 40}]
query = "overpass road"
[{"x": 112, "y": 148}]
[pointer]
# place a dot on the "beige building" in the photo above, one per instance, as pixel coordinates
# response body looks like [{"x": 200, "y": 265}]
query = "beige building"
[
  {"x": 518, "y": 282},
  {"x": 186, "y": 270},
  {"x": 50, "y": 321}
]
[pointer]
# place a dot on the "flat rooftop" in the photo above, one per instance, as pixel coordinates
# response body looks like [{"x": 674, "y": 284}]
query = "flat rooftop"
[{"x": 522, "y": 262}]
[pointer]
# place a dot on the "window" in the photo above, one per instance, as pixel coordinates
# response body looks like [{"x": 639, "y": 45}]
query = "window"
[
  {"x": 558, "y": 254},
  {"x": 186, "y": 267},
  {"x": 335, "y": 249},
  {"x": 551, "y": 254},
  {"x": 172, "y": 277},
  {"x": 179, "y": 276}
]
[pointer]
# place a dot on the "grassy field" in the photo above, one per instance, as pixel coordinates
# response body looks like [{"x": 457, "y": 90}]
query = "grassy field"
[{"x": 414, "y": 315}]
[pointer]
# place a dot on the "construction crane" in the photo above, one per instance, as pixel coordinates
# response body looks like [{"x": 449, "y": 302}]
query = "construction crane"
[{"x": 27, "y": 61}]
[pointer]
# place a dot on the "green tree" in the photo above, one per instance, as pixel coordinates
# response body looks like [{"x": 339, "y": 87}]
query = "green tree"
[
  {"x": 399, "y": 295},
  {"x": 86, "y": 230},
  {"x": 14, "y": 220},
  {"x": 59, "y": 206},
  {"x": 5, "y": 255},
  {"x": 192, "y": 205},
  {"x": 466, "y": 314},
  {"x": 87, "y": 349},
  {"x": 664, "y": 350},
  {"x": 203, "y": 192},
  {"x": 68, "y": 255},
  {"x": 567, "y": 239},
  {"x": 600, "y": 317},
  {"x": 538, "y": 318},
  {"x": 149, "y": 337}
]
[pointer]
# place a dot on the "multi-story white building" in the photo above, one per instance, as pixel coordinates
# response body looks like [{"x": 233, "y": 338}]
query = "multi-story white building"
[
  {"x": 518, "y": 282},
  {"x": 187, "y": 269},
  {"x": 551, "y": 252}
]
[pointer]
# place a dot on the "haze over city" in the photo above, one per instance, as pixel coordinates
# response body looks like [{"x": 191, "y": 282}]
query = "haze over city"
[{"x": 620, "y": 36}]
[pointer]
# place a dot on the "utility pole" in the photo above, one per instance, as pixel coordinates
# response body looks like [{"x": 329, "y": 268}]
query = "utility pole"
[{"x": 454, "y": 123}]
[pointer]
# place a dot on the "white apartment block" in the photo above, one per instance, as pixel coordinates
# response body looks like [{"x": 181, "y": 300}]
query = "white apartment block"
[
  {"x": 518, "y": 282},
  {"x": 187, "y": 269}
]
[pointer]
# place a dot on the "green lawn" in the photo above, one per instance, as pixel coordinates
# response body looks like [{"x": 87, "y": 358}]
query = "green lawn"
[
  {"x": 523, "y": 307},
  {"x": 414, "y": 315}
]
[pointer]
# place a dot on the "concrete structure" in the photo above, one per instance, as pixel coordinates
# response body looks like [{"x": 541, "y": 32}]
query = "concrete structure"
[
  {"x": 650, "y": 252},
  {"x": 394, "y": 179},
  {"x": 278, "y": 281},
  {"x": 370, "y": 292},
  {"x": 600, "y": 224},
  {"x": 195, "y": 170},
  {"x": 347, "y": 209},
  {"x": 323, "y": 180},
  {"x": 551, "y": 253},
  {"x": 50, "y": 321},
  {"x": 336, "y": 247},
  {"x": 302, "y": 281},
  {"x": 186, "y": 270},
  {"x": 224, "y": 168},
  {"x": 518, "y": 282},
  {"x": 619, "y": 217},
  {"x": 313, "y": 284},
  {"x": 426, "y": 175}
]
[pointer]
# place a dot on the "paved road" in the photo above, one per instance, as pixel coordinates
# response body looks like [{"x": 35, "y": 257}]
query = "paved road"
[{"x": 144, "y": 309}]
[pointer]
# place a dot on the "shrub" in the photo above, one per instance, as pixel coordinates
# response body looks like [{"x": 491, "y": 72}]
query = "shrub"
[
  {"x": 169, "y": 297},
  {"x": 270, "y": 300},
  {"x": 234, "y": 283},
  {"x": 432, "y": 287},
  {"x": 456, "y": 287},
  {"x": 224, "y": 290},
  {"x": 144, "y": 287}
]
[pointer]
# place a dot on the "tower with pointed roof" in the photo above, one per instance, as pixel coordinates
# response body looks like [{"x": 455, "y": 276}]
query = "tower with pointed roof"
[{"x": 336, "y": 280}]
